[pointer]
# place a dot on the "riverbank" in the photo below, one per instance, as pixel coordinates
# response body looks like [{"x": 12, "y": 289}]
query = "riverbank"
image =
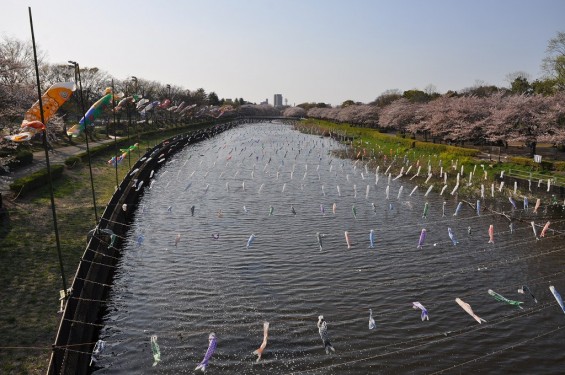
[{"x": 468, "y": 172}]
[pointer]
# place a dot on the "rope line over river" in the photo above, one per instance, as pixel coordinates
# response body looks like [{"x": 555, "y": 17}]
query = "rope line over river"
[{"x": 225, "y": 238}]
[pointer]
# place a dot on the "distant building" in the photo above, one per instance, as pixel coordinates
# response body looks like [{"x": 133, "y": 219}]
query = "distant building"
[
  {"x": 266, "y": 102},
  {"x": 278, "y": 100}
]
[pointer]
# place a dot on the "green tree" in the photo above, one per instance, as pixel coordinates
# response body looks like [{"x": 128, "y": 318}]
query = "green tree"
[
  {"x": 199, "y": 97},
  {"x": 545, "y": 87},
  {"x": 481, "y": 90},
  {"x": 521, "y": 86},
  {"x": 416, "y": 96},
  {"x": 431, "y": 91},
  {"x": 347, "y": 103},
  {"x": 554, "y": 63},
  {"x": 213, "y": 98},
  {"x": 306, "y": 106},
  {"x": 386, "y": 98}
]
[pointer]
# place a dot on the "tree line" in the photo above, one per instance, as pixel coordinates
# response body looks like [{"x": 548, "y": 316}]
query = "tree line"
[
  {"x": 526, "y": 111},
  {"x": 18, "y": 90}
]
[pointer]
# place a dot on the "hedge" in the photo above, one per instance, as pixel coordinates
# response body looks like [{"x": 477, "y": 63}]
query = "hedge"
[
  {"x": 440, "y": 148},
  {"x": 72, "y": 161},
  {"x": 529, "y": 162},
  {"x": 36, "y": 180},
  {"x": 559, "y": 166},
  {"x": 24, "y": 157},
  {"x": 21, "y": 158}
]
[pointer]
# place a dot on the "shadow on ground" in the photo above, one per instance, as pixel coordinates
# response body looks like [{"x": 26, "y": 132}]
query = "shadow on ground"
[{"x": 4, "y": 220}]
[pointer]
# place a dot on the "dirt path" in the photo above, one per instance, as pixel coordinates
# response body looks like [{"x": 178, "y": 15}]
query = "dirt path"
[{"x": 56, "y": 156}]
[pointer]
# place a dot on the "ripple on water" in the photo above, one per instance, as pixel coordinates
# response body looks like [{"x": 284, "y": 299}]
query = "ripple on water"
[{"x": 181, "y": 293}]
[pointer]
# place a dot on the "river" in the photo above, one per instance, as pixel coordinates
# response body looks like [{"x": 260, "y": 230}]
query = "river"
[{"x": 247, "y": 181}]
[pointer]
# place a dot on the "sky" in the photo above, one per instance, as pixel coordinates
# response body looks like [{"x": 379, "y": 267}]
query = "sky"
[{"x": 307, "y": 50}]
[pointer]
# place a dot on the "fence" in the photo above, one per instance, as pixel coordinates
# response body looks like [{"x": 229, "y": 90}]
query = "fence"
[{"x": 537, "y": 177}]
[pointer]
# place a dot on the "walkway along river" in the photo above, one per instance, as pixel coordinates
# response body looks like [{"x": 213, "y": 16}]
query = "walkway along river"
[{"x": 185, "y": 270}]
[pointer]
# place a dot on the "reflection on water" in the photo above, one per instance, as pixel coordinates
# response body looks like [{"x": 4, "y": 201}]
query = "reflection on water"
[{"x": 194, "y": 275}]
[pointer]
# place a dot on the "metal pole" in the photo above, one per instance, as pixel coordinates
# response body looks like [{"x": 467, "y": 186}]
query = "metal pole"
[
  {"x": 77, "y": 68},
  {"x": 47, "y": 157},
  {"x": 115, "y": 139},
  {"x": 134, "y": 79},
  {"x": 170, "y": 114},
  {"x": 129, "y": 124},
  {"x": 137, "y": 140}
]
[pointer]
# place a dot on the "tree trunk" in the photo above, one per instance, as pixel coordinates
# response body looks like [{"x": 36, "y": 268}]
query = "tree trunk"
[
  {"x": 533, "y": 145},
  {"x": 89, "y": 132},
  {"x": 70, "y": 137}
]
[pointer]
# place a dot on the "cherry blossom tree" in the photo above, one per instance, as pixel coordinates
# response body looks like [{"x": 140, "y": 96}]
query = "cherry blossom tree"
[
  {"x": 17, "y": 85},
  {"x": 467, "y": 115},
  {"x": 523, "y": 118},
  {"x": 555, "y": 119},
  {"x": 16, "y": 62},
  {"x": 399, "y": 115},
  {"x": 294, "y": 112},
  {"x": 258, "y": 110},
  {"x": 368, "y": 116},
  {"x": 325, "y": 113},
  {"x": 349, "y": 114}
]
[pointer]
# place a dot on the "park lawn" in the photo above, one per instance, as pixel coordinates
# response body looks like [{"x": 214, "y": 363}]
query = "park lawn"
[{"x": 30, "y": 273}]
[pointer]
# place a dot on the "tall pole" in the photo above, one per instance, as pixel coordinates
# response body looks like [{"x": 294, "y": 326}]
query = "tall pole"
[
  {"x": 137, "y": 139},
  {"x": 169, "y": 87},
  {"x": 58, "y": 242},
  {"x": 77, "y": 69},
  {"x": 115, "y": 138},
  {"x": 134, "y": 79}
]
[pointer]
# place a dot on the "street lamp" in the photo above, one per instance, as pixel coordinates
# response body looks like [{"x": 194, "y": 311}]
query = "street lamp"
[{"x": 76, "y": 67}]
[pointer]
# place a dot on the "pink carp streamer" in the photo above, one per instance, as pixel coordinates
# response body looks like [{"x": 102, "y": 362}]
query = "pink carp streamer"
[{"x": 259, "y": 351}]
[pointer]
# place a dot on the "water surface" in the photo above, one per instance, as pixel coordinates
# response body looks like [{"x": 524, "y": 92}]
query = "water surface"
[{"x": 182, "y": 293}]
